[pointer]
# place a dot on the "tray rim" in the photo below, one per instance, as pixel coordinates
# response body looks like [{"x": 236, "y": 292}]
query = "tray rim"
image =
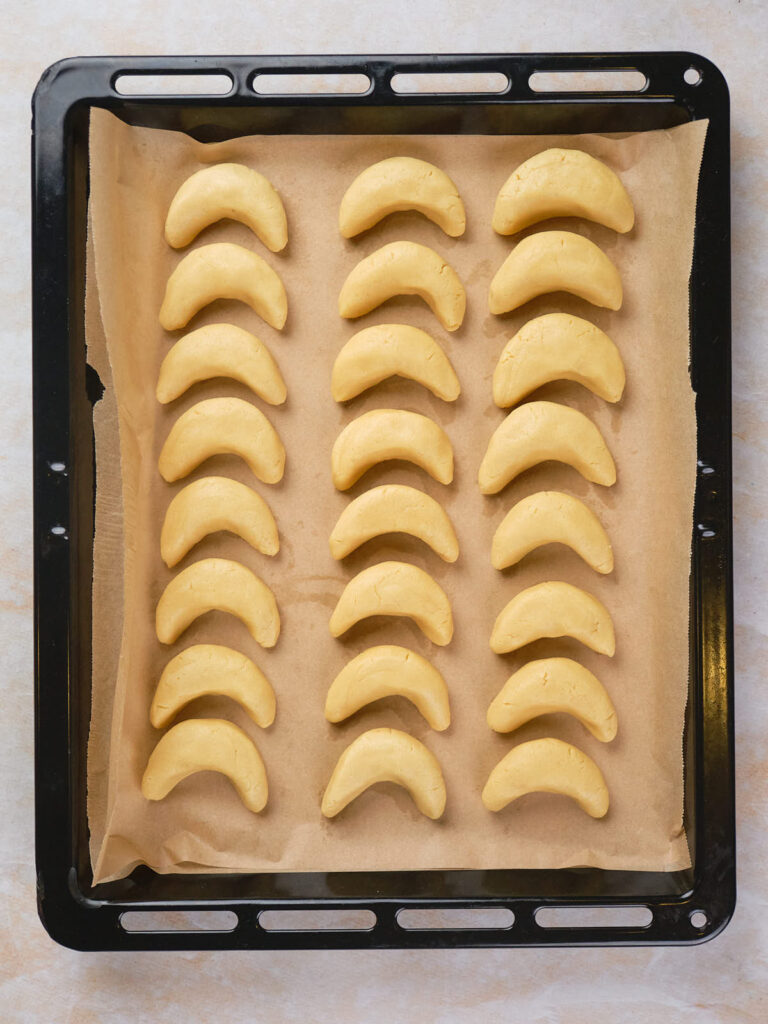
[{"x": 81, "y": 920}]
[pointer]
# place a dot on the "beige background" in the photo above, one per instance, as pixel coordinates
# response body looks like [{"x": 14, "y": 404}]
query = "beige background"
[{"x": 724, "y": 981}]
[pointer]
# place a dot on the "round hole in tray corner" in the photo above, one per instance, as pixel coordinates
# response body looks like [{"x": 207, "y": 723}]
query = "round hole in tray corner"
[
  {"x": 692, "y": 76},
  {"x": 706, "y": 530},
  {"x": 699, "y": 919},
  {"x": 59, "y": 530},
  {"x": 57, "y": 467}
]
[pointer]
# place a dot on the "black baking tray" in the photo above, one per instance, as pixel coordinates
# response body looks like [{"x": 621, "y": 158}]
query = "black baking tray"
[{"x": 685, "y": 906}]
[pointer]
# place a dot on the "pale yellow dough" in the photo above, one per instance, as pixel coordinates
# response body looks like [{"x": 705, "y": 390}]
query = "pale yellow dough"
[
  {"x": 543, "y": 431},
  {"x": 401, "y": 183},
  {"x": 223, "y": 270},
  {"x": 386, "y": 755},
  {"x": 394, "y": 508},
  {"x": 549, "y": 686},
  {"x": 389, "y": 671},
  {"x": 207, "y": 745},
  {"x": 558, "y": 346},
  {"x": 397, "y": 589},
  {"x": 555, "y": 261},
  {"x": 232, "y": 191},
  {"x": 404, "y": 268},
  {"x": 551, "y": 517},
  {"x": 220, "y": 350},
  {"x": 553, "y": 609},
  {"x": 222, "y": 426},
  {"x": 547, "y": 766},
  {"x": 210, "y": 669},
  {"x": 383, "y": 434},
  {"x": 386, "y": 350},
  {"x": 562, "y": 183},
  {"x": 223, "y": 585},
  {"x": 211, "y": 504}
]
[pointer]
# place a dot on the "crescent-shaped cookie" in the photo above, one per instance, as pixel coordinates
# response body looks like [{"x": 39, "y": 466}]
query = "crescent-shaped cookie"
[
  {"x": 401, "y": 183},
  {"x": 232, "y": 191},
  {"x": 394, "y": 508},
  {"x": 386, "y": 755},
  {"x": 207, "y": 669},
  {"x": 388, "y": 350},
  {"x": 207, "y": 745},
  {"x": 551, "y": 517},
  {"x": 222, "y": 426},
  {"x": 389, "y": 671},
  {"x": 562, "y": 183},
  {"x": 220, "y": 350},
  {"x": 543, "y": 431},
  {"x": 384, "y": 434},
  {"x": 396, "y": 589},
  {"x": 553, "y": 609},
  {"x": 547, "y": 766},
  {"x": 223, "y": 270},
  {"x": 404, "y": 268},
  {"x": 217, "y": 584},
  {"x": 549, "y": 686},
  {"x": 555, "y": 261},
  {"x": 558, "y": 346},
  {"x": 212, "y": 504}
]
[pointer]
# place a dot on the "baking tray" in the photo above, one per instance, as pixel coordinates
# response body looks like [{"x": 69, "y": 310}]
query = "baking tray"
[{"x": 685, "y": 906}]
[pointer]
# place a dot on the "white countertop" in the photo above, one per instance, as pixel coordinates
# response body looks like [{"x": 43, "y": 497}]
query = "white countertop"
[{"x": 723, "y": 981}]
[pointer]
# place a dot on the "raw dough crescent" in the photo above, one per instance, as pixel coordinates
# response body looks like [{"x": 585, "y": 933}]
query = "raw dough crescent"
[
  {"x": 562, "y": 183},
  {"x": 221, "y": 584},
  {"x": 232, "y": 191},
  {"x": 207, "y": 745},
  {"x": 401, "y": 183},
  {"x": 397, "y": 589},
  {"x": 394, "y": 508},
  {"x": 389, "y": 671},
  {"x": 386, "y": 755},
  {"x": 553, "y": 609},
  {"x": 549, "y": 686},
  {"x": 212, "y": 504},
  {"x": 220, "y": 350},
  {"x": 384, "y": 434},
  {"x": 221, "y": 426},
  {"x": 386, "y": 350},
  {"x": 223, "y": 270},
  {"x": 551, "y": 517},
  {"x": 211, "y": 669},
  {"x": 557, "y": 346},
  {"x": 547, "y": 766},
  {"x": 404, "y": 268},
  {"x": 543, "y": 431},
  {"x": 555, "y": 261}
]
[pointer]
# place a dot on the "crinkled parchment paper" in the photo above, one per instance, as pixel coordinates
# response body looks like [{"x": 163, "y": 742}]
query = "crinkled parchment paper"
[{"x": 651, "y": 432}]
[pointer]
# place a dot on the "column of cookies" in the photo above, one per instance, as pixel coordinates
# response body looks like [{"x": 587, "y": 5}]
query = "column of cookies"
[
  {"x": 556, "y": 346},
  {"x": 394, "y": 588},
  {"x": 210, "y": 504}
]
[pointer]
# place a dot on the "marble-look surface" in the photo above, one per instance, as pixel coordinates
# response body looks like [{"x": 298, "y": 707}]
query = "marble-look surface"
[{"x": 721, "y": 982}]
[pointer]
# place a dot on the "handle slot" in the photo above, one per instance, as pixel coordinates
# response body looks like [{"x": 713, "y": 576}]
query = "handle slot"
[
  {"x": 317, "y": 920},
  {"x": 587, "y": 81},
  {"x": 455, "y": 919},
  {"x": 594, "y": 917},
  {"x": 306, "y": 84},
  {"x": 178, "y": 921},
  {"x": 407, "y": 83},
  {"x": 173, "y": 83}
]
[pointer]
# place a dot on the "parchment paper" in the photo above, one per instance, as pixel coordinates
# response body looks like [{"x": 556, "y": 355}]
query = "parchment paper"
[{"x": 651, "y": 432}]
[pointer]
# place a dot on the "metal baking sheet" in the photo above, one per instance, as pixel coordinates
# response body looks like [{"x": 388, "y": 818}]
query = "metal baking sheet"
[{"x": 82, "y": 916}]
